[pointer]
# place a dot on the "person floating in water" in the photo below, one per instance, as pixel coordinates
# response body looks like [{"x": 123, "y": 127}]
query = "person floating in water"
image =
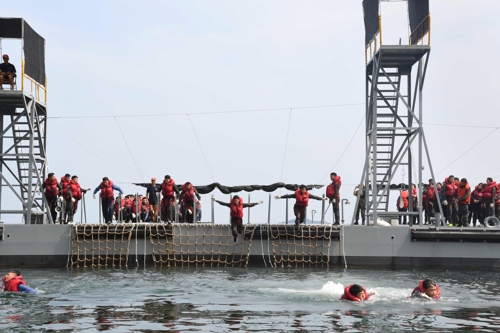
[
  {"x": 426, "y": 289},
  {"x": 13, "y": 281},
  {"x": 356, "y": 293}
]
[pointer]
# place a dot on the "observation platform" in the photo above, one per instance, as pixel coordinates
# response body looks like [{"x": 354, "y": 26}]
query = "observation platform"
[
  {"x": 10, "y": 100},
  {"x": 402, "y": 57}
]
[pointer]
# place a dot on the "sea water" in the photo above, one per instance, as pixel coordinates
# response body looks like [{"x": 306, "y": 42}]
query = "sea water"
[{"x": 249, "y": 300}]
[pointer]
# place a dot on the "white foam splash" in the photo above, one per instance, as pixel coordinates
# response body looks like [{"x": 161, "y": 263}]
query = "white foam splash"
[{"x": 333, "y": 288}]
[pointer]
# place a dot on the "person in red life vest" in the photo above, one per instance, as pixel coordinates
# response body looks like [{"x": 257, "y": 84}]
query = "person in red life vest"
[
  {"x": 119, "y": 209},
  {"x": 301, "y": 197},
  {"x": 356, "y": 293},
  {"x": 168, "y": 190},
  {"x": 475, "y": 211},
  {"x": 333, "y": 193},
  {"x": 107, "y": 189},
  {"x": 489, "y": 194},
  {"x": 236, "y": 205},
  {"x": 187, "y": 197},
  {"x": 152, "y": 196},
  {"x": 416, "y": 218},
  {"x": 51, "y": 187},
  {"x": 145, "y": 211},
  {"x": 361, "y": 204},
  {"x": 463, "y": 197},
  {"x": 13, "y": 281},
  {"x": 427, "y": 289},
  {"x": 429, "y": 197},
  {"x": 402, "y": 205},
  {"x": 63, "y": 185},
  {"x": 72, "y": 193},
  {"x": 450, "y": 206}
]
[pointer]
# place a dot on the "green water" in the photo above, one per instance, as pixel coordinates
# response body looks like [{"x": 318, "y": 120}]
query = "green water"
[{"x": 249, "y": 300}]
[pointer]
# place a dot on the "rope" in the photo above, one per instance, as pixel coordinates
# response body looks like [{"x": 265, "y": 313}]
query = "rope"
[
  {"x": 468, "y": 150},
  {"x": 343, "y": 243},
  {"x": 131, "y": 155},
  {"x": 286, "y": 145},
  {"x": 343, "y": 153},
  {"x": 199, "y": 143},
  {"x": 262, "y": 247},
  {"x": 69, "y": 245},
  {"x": 202, "y": 113}
]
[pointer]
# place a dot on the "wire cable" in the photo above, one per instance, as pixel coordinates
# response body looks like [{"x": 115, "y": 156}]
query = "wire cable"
[
  {"x": 468, "y": 150},
  {"x": 199, "y": 144},
  {"x": 470, "y": 126},
  {"x": 205, "y": 113},
  {"x": 286, "y": 145},
  {"x": 343, "y": 153},
  {"x": 132, "y": 155}
]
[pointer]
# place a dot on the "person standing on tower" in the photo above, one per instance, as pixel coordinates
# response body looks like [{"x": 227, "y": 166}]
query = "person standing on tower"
[
  {"x": 51, "y": 187},
  {"x": 236, "y": 205},
  {"x": 475, "y": 205},
  {"x": 301, "y": 197},
  {"x": 151, "y": 195},
  {"x": 361, "y": 207},
  {"x": 7, "y": 72},
  {"x": 450, "y": 201},
  {"x": 107, "y": 189},
  {"x": 333, "y": 193}
]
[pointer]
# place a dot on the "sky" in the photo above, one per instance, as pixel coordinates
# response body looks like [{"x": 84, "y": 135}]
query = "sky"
[{"x": 145, "y": 89}]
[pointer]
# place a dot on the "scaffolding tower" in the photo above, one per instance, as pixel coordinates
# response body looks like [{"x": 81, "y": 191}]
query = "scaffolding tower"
[
  {"x": 23, "y": 125},
  {"x": 395, "y": 76}
]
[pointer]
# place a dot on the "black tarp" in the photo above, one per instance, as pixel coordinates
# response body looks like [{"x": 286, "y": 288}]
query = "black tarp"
[
  {"x": 370, "y": 15},
  {"x": 418, "y": 10},
  {"x": 11, "y": 28},
  {"x": 34, "y": 54},
  {"x": 205, "y": 189}
]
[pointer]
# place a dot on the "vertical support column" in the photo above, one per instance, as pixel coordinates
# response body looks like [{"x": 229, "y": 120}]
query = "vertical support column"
[
  {"x": 248, "y": 209},
  {"x": 212, "y": 206},
  {"x": 31, "y": 118},
  {"x": 269, "y": 211},
  {"x": 373, "y": 140},
  {"x": 286, "y": 212},
  {"x": 420, "y": 141},
  {"x": 323, "y": 210},
  {"x": 1, "y": 158}
]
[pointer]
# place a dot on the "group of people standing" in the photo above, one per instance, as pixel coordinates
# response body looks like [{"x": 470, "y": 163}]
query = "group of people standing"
[
  {"x": 462, "y": 206},
  {"x": 64, "y": 194}
]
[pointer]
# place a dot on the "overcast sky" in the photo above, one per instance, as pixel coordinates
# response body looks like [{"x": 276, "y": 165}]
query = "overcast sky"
[{"x": 155, "y": 62}]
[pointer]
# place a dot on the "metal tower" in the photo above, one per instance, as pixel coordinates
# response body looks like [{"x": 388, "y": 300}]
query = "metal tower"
[
  {"x": 395, "y": 77},
  {"x": 23, "y": 119}
]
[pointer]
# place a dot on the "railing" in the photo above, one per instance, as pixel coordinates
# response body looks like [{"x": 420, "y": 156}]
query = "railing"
[
  {"x": 35, "y": 88},
  {"x": 375, "y": 43},
  {"x": 423, "y": 29}
]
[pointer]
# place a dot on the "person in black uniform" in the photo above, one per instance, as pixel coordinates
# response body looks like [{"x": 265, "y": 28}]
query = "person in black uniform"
[{"x": 7, "y": 72}]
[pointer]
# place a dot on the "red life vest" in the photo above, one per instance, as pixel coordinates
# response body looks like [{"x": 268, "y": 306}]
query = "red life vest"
[
  {"x": 64, "y": 185},
  {"x": 107, "y": 191},
  {"x": 116, "y": 205},
  {"x": 13, "y": 284},
  {"x": 405, "y": 202},
  {"x": 477, "y": 194},
  {"x": 302, "y": 199},
  {"x": 76, "y": 190},
  {"x": 51, "y": 189},
  {"x": 461, "y": 193},
  {"x": 237, "y": 210},
  {"x": 420, "y": 288},
  {"x": 450, "y": 188},
  {"x": 348, "y": 296},
  {"x": 133, "y": 204},
  {"x": 431, "y": 193},
  {"x": 188, "y": 194},
  {"x": 488, "y": 190},
  {"x": 167, "y": 188},
  {"x": 330, "y": 190}
]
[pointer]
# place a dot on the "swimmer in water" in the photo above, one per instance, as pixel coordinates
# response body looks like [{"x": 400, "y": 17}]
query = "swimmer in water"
[
  {"x": 13, "y": 281},
  {"x": 356, "y": 293},
  {"x": 427, "y": 289}
]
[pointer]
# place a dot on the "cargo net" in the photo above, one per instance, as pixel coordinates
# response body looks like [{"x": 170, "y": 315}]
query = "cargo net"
[
  {"x": 307, "y": 247},
  {"x": 183, "y": 245},
  {"x": 100, "y": 245}
]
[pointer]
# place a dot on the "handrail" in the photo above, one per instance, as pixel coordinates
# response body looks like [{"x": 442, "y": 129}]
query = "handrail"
[
  {"x": 421, "y": 29},
  {"x": 35, "y": 86},
  {"x": 374, "y": 42}
]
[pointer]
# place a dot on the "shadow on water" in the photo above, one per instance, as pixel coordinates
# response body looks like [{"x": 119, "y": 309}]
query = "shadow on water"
[{"x": 250, "y": 300}]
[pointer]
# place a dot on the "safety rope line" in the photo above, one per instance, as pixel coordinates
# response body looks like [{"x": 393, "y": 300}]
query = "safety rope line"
[
  {"x": 128, "y": 147},
  {"x": 262, "y": 245},
  {"x": 201, "y": 148}
]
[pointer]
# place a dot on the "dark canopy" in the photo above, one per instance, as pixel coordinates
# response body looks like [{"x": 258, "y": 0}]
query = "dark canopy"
[{"x": 205, "y": 189}]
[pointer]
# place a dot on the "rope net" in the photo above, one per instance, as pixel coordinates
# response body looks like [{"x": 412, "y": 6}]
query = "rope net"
[
  {"x": 183, "y": 245},
  {"x": 100, "y": 245},
  {"x": 307, "y": 247}
]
